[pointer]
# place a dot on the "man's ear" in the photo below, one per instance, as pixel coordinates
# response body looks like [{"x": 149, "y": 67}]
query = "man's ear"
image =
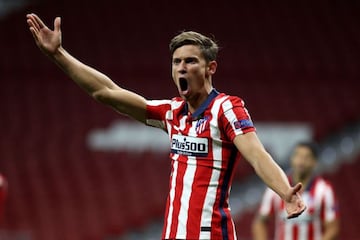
[{"x": 211, "y": 68}]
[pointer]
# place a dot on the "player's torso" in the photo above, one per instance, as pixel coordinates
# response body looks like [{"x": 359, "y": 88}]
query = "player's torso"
[
  {"x": 202, "y": 168},
  {"x": 308, "y": 225},
  {"x": 198, "y": 139}
]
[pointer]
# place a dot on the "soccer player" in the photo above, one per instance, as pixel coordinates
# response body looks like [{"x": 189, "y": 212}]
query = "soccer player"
[
  {"x": 207, "y": 130},
  {"x": 320, "y": 219}
]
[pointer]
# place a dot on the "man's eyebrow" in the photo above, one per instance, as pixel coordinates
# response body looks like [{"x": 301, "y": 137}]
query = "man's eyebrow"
[{"x": 185, "y": 58}]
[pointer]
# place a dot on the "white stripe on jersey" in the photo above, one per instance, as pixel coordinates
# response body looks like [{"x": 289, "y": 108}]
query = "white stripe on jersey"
[
  {"x": 266, "y": 205},
  {"x": 210, "y": 197},
  {"x": 246, "y": 111},
  {"x": 168, "y": 126},
  {"x": 230, "y": 115},
  {"x": 188, "y": 179},
  {"x": 185, "y": 200},
  {"x": 158, "y": 123},
  {"x": 288, "y": 231},
  {"x": 303, "y": 231},
  {"x": 171, "y": 196},
  {"x": 182, "y": 125},
  {"x": 169, "y": 116},
  {"x": 330, "y": 214}
]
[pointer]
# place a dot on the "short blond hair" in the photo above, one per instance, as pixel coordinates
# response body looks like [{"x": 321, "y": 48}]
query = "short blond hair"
[{"x": 208, "y": 46}]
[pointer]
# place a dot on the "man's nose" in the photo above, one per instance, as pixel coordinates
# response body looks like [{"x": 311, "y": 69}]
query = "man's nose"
[{"x": 182, "y": 68}]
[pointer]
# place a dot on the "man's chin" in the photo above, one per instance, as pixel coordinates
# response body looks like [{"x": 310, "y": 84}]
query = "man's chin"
[
  {"x": 185, "y": 94},
  {"x": 303, "y": 174}
]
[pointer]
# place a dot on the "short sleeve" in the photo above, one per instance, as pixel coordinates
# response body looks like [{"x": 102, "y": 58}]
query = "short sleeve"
[
  {"x": 156, "y": 111},
  {"x": 330, "y": 205},
  {"x": 267, "y": 205},
  {"x": 235, "y": 119}
]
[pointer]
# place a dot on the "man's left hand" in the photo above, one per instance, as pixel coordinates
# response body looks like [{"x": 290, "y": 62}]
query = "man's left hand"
[{"x": 293, "y": 202}]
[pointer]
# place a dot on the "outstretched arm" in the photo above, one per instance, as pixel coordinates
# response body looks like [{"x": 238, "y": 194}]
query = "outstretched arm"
[
  {"x": 96, "y": 84},
  {"x": 253, "y": 151}
]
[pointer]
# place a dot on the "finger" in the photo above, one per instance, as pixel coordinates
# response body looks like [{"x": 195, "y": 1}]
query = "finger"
[
  {"x": 57, "y": 23},
  {"x": 32, "y": 24},
  {"x": 296, "y": 214},
  {"x": 33, "y": 21},
  {"x": 297, "y": 188},
  {"x": 34, "y": 33},
  {"x": 38, "y": 21}
]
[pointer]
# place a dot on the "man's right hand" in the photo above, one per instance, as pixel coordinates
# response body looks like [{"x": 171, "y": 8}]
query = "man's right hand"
[
  {"x": 95, "y": 83},
  {"x": 47, "y": 40}
]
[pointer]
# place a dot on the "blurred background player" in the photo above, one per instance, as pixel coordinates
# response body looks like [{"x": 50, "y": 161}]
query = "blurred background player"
[{"x": 320, "y": 219}]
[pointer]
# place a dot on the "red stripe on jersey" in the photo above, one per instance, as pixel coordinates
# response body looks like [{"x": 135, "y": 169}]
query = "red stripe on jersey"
[
  {"x": 295, "y": 232},
  {"x": 310, "y": 235},
  {"x": 197, "y": 199},
  {"x": 272, "y": 206},
  {"x": 177, "y": 203}
]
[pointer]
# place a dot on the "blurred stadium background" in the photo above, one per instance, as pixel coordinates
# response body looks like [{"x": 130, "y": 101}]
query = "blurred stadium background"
[{"x": 70, "y": 171}]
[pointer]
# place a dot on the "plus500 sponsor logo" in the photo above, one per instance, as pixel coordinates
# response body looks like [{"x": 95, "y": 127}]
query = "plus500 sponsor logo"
[{"x": 190, "y": 146}]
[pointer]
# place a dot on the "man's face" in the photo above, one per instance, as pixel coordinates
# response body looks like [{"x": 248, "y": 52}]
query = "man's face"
[
  {"x": 303, "y": 161},
  {"x": 190, "y": 71}
]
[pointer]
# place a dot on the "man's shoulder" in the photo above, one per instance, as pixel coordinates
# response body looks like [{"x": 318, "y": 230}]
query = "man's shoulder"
[
  {"x": 229, "y": 96},
  {"x": 174, "y": 100},
  {"x": 177, "y": 99},
  {"x": 229, "y": 101},
  {"x": 322, "y": 183}
]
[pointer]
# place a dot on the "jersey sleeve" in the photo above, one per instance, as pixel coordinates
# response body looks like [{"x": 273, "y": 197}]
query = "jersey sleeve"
[
  {"x": 156, "y": 111},
  {"x": 267, "y": 205},
  {"x": 329, "y": 206},
  {"x": 235, "y": 119}
]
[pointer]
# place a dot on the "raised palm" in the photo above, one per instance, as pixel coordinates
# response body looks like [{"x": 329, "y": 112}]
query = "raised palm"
[{"x": 49, "y": 41}]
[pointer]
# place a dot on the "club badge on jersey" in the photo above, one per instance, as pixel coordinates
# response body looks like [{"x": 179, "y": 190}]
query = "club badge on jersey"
[{"x": 201, "y": 125}]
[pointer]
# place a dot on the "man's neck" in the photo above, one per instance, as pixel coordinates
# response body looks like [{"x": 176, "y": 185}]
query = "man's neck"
[{"x": 195, "y": 102}]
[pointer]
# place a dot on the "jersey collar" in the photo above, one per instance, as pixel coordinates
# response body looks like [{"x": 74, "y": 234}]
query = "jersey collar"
[{"x": 197, "y": 114}]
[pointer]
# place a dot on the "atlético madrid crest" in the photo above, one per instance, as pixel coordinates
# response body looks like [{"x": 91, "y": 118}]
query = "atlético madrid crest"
[{"x": 201, "y": 125}]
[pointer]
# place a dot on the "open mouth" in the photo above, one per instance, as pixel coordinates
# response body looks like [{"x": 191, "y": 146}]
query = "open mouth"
[{"x": 183, "y": 84}]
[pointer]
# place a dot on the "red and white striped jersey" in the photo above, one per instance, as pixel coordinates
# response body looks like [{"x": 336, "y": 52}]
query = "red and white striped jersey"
[
  {"x": 321, "y": 205},
  {"x": 203, "y": 159}
]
